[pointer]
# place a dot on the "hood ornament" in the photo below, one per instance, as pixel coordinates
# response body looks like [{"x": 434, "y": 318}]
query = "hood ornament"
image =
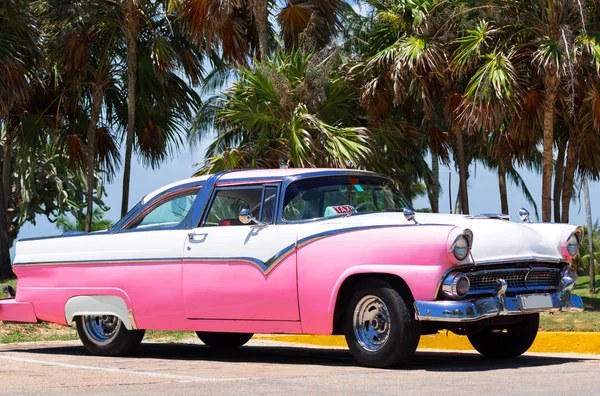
[
  {"x": 524, "y": 215},
  {"x": 409, "y": 215}
]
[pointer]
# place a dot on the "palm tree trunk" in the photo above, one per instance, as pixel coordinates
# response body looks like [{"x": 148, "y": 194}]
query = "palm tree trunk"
[
  {"x": 569, "y": 178},
  {"x": 588, "y": 220},
  {"x": 551, "y": 87},
  {"x": 132, "y": 48},
  {"x": 97, "y": 94},
  {"x": 5, "y": 267},
  {"x": 558, "y": 178},
  {"x": 434, "y": 197},
  {"x": 502, "y": 187},
  {"x": 261, "y": 15},
  {"x": 458, "y": 204},
  {"x": 462, "y": 168},
  {"x": 6, "y": 170}
]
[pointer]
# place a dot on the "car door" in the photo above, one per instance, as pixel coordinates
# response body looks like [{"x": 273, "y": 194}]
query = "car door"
[{"x": 241, "y": 271}]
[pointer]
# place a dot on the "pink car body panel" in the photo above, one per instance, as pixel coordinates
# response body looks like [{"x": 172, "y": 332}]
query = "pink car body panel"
[
  {"x": 324, "y": 265},
  {"x": 243, "y": 290},
  {"x": 17, "y": 311}
]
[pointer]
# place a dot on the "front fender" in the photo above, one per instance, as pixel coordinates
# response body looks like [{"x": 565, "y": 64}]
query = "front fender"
[
  {"x": 416, "y": 254},
  {"x": 422, "y": 281}
]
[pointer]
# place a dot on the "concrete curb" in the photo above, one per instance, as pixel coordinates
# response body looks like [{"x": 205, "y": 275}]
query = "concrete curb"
[{"x": 556, "y": 342}]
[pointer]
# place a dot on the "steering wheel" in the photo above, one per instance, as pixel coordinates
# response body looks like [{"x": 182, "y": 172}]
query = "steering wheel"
[{"x": 364, "y": 205}]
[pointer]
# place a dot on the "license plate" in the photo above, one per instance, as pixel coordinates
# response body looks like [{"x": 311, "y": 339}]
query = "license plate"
[{"x": 535, "y": 301}]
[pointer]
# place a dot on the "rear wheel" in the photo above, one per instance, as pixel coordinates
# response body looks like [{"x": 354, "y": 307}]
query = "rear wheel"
[
  {"x": 380, "y": 325},
  {"x": 509, "y": 341},
  {"x": 224, "y": 340},
  {"x": 106, "y": 335}
]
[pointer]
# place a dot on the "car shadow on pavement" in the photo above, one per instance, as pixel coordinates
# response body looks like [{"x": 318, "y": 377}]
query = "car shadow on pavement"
[{"x": 299, "y": 355}]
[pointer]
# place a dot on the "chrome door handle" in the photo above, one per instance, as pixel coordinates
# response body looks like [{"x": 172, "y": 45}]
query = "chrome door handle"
[{"x": 197, "y": 236}]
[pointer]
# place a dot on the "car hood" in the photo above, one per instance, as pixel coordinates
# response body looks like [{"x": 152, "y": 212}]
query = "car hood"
[{"x": 494, "y": 240}]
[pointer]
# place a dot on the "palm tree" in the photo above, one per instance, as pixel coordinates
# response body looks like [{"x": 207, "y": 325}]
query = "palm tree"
[
  {"x": 242, "y": 30},
  {"x": 530, "y": 44},
  {"x": 588, "y": 221},
  {"x": 496, "y": 151},
  {"x": 290, "y": 110},
  {"x": 406, "y": 74},
  {"x": 151, "y": 31},
  {"x": 84, "y": 45},
  {"x": 20, "y": 54}
]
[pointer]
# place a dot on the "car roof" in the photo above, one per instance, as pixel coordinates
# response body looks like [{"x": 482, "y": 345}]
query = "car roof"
[{"x": 253, "y": 174}]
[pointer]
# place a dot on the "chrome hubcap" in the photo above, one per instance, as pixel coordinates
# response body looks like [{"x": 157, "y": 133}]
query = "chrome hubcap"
[
  {"x": 101, "y": 329},
  {"x": 371, "y": 323}
]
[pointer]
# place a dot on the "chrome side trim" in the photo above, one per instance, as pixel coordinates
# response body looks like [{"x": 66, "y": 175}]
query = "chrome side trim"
[{"x": 549, "y": 260}]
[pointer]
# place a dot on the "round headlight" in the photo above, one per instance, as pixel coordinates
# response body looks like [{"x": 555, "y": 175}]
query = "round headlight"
[
  {"x": 456, "y": 285},
  {"x": 461, "y": 248},
  {"x": 573, "y": 245}
]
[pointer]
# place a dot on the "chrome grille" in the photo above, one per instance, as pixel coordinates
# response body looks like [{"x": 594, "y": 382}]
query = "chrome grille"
[{"x": 518, "y": 279}]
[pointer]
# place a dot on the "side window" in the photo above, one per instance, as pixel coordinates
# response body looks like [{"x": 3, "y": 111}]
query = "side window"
[
  {"x": 227, "y": 204},
  {"x": 168, "y": 213}
]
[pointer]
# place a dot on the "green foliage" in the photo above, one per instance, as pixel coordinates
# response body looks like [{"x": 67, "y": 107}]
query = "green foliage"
[
  {"x": 44, "y": 184},
  {"x": 290, "y": 110},
  {"x": 582, "y": 262},
  {"x": 99, "y": 222}
]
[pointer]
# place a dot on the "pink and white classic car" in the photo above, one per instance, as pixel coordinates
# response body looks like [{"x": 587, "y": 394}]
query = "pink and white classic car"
[{"x": 298, "y": 251}]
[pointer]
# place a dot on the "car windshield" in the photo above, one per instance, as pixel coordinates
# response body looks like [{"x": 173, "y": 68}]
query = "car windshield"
[{"x": 333, "y": 196}]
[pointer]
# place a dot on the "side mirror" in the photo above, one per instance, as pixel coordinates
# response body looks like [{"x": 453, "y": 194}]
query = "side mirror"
[
  {"x": 246, "y": 217},
  {"x": 524, "y": 215},
  {"x": 409, "y": 215}
]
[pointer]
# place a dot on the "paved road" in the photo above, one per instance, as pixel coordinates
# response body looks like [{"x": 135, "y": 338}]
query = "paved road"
[{"x": 270, "y": 368}]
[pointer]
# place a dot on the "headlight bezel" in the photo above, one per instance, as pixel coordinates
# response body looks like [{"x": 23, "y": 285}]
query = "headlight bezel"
[
  {"x": 450, "y": 285},
  {"x": 465, "y": 237},
  {"x": 573, "y": 242}
]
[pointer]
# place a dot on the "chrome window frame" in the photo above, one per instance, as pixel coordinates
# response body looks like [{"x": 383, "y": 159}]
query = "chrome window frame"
[{"x": 277, "y": 187}]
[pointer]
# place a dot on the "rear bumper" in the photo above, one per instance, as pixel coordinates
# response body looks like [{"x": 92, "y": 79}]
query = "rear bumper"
[{"x": 16, "y": 311}]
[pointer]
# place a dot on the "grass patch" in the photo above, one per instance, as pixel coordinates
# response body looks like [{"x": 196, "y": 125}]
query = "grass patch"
[
  {"x": 589, "y": 320},
  {"x": 9, "y": 282}
]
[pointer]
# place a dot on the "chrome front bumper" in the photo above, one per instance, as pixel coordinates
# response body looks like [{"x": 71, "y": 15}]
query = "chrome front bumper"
[{"x": 498, "y": 304}]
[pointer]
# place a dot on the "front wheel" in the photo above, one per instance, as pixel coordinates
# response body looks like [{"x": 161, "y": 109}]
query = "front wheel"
[
  {"x": 509, "y": 341},
  {"x": 224, "y": 340},
  {"x": 106, "y": 335},
  {"x": 380, "y": 326}
]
